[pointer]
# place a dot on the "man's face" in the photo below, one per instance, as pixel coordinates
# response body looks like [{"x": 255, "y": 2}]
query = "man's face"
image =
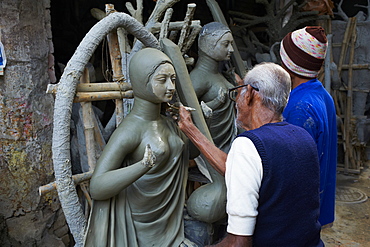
[
  {"x": 163, "y": 82},
  {"x": 224, "y": 48}
]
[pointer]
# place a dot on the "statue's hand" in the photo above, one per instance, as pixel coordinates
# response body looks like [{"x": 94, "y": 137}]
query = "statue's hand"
[
  {"x": 207, "y": 111},
  {"x": 221, "y": 95},
  {"x": 149, "y": 157}
]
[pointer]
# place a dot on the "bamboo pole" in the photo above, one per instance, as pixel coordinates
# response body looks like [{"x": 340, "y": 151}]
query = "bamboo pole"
[
  {"x": 356, "y": 66},
  {"x": 119, "y": 111},
  {"x": 97, "y": 91},
  {"x": 349, "y": 106},
  {"x": 96, "y": 96},
  {"x": 327, "y": 64},
  {"x": 94, "y": 87},
  {"x": 84, "y": 189},
  {"x": 345, "y": 42},
  {"x": 115, "y": 57},
  {"x": 99, "y": 139},
  {"x": 88, "y": 123},
  {"x": 124, "y": 46},
  {"x": 100, "y": 87},
  {"x": 77, "y": 179}
]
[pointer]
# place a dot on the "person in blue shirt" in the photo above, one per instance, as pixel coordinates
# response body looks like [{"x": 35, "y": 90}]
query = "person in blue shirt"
[{"x": 311, "y": 106}]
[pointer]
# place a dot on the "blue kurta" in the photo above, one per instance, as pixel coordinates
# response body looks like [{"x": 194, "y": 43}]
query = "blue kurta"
[{"x": 311, "y": 107}]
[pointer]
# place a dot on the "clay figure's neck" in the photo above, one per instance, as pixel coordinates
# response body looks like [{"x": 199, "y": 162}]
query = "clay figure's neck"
[
  {"x": 206, "y": 63},
  {"x": 146, "y": 110}
]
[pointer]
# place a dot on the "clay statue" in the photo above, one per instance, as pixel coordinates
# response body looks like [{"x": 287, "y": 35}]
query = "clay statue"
[
  {"x": 138, "y": 183},
  {"x": 215, "y": 45},
  {"x": 211, "y": 88}
]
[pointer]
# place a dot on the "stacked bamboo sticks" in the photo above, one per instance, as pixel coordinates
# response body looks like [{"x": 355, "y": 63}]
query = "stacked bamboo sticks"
[
  {"x": 343, "y": 99},
  {"x": 98, "y": 91}
]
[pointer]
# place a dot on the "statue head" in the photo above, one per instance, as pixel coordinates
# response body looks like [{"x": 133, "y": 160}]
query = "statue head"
[
  {"x": 215, "y": 40},
  {"x": 152, "y": 75}
]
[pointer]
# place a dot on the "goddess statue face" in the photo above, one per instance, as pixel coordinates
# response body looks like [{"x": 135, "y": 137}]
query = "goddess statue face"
[
  {"x": 216, "y": 40},
  {"x": 162, "y": 82},
  {"x": 152, "y": 76},
  {"x": 223, "y": 49}
]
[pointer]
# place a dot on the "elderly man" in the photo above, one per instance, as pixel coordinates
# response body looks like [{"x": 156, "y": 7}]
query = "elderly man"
[{"x": 271, "y": 171}]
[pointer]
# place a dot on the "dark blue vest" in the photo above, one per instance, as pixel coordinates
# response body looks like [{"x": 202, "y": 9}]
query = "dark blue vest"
[{"x": 288, "y": 208}]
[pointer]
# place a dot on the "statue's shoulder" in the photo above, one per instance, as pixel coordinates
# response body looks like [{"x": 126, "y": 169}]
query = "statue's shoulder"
[
  {"x": 198, "y": 72},
  {"x": 130, "y": 126},
  {"x": 200, "y": 80}
]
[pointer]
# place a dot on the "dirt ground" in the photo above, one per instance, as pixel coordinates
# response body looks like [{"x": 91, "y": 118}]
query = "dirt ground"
[{"x": 352, "y": 224}]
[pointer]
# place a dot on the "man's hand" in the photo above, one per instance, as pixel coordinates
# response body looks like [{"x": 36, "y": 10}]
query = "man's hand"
[
  {"x": 232, "y": 240},
  {"x": 174, "y": 109},
  {"x": 184, "y": 120}
]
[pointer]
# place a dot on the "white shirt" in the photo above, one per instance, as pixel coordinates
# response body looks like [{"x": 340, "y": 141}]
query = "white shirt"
[{"x": 243, "y": 178}]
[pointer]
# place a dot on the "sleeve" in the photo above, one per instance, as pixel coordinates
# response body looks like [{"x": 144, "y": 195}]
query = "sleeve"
[{"x": 243, "y": 178}]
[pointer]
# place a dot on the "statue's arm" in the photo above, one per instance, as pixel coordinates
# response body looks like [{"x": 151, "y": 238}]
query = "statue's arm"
[
  {"x": 219, "y": 100},
  {"x": 200, "y": 83},
  {"x": 109, "y": 177},
  {"x": 203, "y": 88}
]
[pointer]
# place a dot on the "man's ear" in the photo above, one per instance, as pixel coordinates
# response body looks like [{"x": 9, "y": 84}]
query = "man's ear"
[
  {"x": 248, "y": 96},
  {"x": 239, "y": 81}
]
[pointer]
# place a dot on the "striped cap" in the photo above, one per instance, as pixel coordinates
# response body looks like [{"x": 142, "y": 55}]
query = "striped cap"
[{"x": 303, "y": 51}]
